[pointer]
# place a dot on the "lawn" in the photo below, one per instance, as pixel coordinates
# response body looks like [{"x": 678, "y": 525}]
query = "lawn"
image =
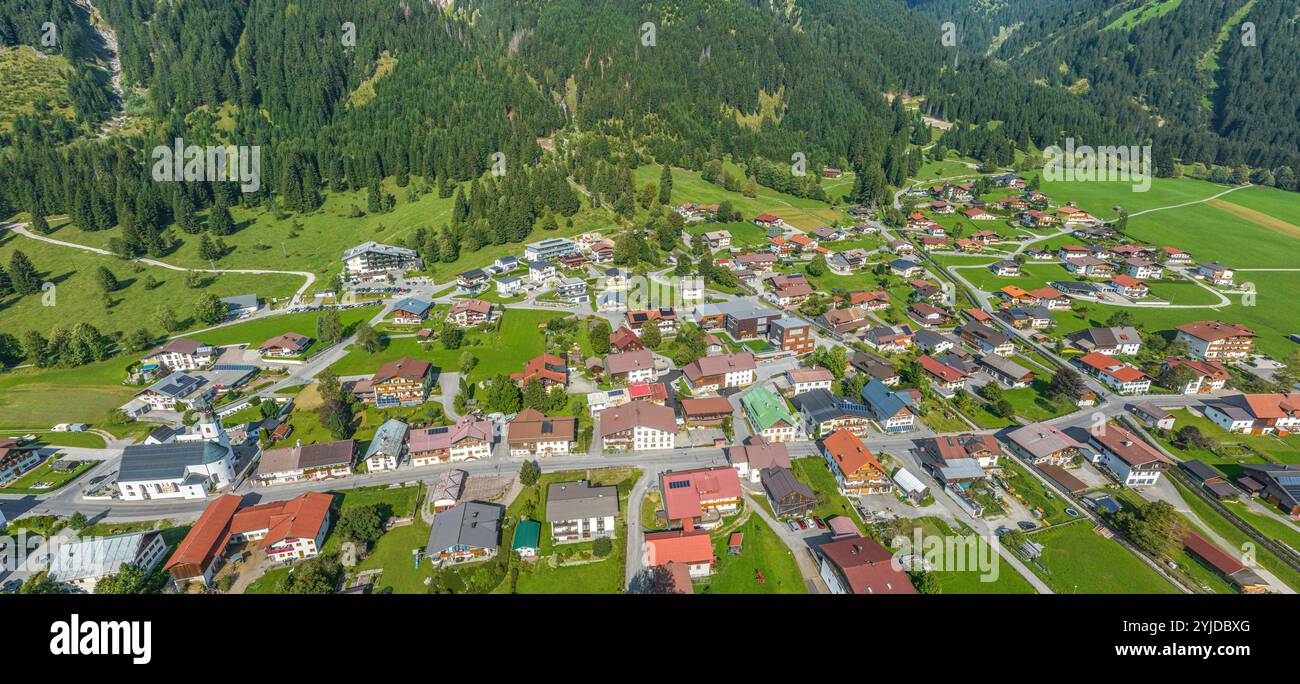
[
  {"x": 1080, "y": 561},
  {"x": 1284, "y": 449},
  {"x": 1100, "y": 198},
  {"x": 1033, "y": 492},
  {"x": 1032, "y": 402},
  {"x": 86, "y": 440},
  {"x": 260, "y": 330},
  {"x": 762, "y": 551},
  {"x": 814, "y": 472},
  {"x": 44, "y": 474},
  {"x": 77, "y": 297},
  {"x": 1237, "y": 538},
  {"x": 961, "y": 577},
  {"x": 515, "y": 339}
]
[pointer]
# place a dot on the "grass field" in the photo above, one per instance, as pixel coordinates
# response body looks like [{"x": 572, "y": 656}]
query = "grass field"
[
  {"x": 43, "y": 474},
  {"x": 1237, "y": 538},
  {"x": 965, "y": 578},
  {"x": 830, "y": 502},
  {"x": 77, "y": 295},
  {"x": 88, "y": 440},
  {"x": 33, "y": 83},
  {"x": 762, "y": 551},
  {"x": 260, "y": 330},
  {"x": 1035, "y": 494},
  {"x": 1079, "y": 561}
]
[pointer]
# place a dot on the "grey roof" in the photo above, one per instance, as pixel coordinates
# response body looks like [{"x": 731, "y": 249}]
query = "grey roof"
[
  {"x": 903, "y": 264},
  {"x": 1107, "y": 337},
  {"x": 388, "y": 439},
  {"x": 1154, "y": 411},
  {"x": 373, "y": 246},
  {"x": 96, "y": 557},
  {"x": 142, "y": 462},
  {"x": 1201, "y": 471},
  {"x": 884, "y": 402},
  {"x": 873, "y": 365},
  {"x": 162, "y": 433},
  {"x": 929, "y": 339},
  {"x": 575, "y": 500},
  {"x": 820, "y": 406},
  {"x": 473, "y": 524},
  {"x": 738, "y": 308},
  {"x": 248, "y": 301},
  {"x": 177, "y": 385},
  {"x": 781, "y": 482},
  {"x": 961, "y": 469},
  {"x": 1004, "y": 366},
  {"x": 413, "y": 305}
]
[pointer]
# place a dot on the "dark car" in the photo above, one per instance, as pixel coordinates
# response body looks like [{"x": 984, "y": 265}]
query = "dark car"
[{"x": 1026, "y": 525}]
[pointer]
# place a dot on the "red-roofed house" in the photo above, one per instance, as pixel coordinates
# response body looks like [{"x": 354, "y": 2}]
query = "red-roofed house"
[
  {"x": 691, "y": 548},
  {"x": 1215, "y": 340},
  {"x": 1134, "y": 462},
  {"x": 943, "y": 375},
  {"x": 1120, "y": 376},
  {"x": 856, "y": 469},
  {"x": 700, "y": 497},
  {"x": 549, "y": 369},
  {"x": 860, "y": 565},
  {"x": 197, "y": 556},
  {"x": 1210, "y": 375},
  {"x": 286, "y": 529}
]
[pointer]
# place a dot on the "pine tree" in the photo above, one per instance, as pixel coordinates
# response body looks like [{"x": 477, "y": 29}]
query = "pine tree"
[
  {"x": 665, "y": 185},
  {"x": 22, "y": 275}
]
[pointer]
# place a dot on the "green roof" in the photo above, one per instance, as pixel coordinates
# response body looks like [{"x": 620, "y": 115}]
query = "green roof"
[
  {"x": 527, "y": 535},
  {"x": 765, "y": 408}
]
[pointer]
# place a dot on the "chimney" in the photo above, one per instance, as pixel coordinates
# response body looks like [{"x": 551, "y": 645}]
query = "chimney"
[{"x": 688, "y": 525}]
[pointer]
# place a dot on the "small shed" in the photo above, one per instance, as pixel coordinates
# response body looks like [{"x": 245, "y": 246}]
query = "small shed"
[
  {"x": 736, "y": 543},
  {"x": 528, "y": 534}
]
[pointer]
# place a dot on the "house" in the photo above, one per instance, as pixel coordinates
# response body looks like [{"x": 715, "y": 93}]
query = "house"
[
  {"x": 710, "y": 374},
  {"x": 1123, "y": 341},
  {"x": 541, "y": 272},
  {"x": 548, "y": 369},
  {"x": 758, "y": 262},
  {"x": 387, "y": 447},
  {"x": 790, "y": 335},
  {"x": 527, "y": 539},
  {"x": 1005, "y": 268},
  {"x": 860, "y": 565},
  {"x": 1142, "y": 269},
  {"x": 789, "y": 290},
  {"x": 573, "y": 290},
  {"x": 466, "y": 532},
  {"x": 372, "y": 260},
  {"x": 889, "y": 339},
  {"x": 901, "y": 247},
  {"x": 904, "y": 268},
  {"x": 1224, "y": 563},
  {"x": 178, "y": 470},
  {"x": 717, "y": 239},
  {"x": 410, "y": 311},
  {"x": 82, "y": 563},
  {"x": 1256, "y": 414},
  {"x": 947, "y": 378},
  {"x": 979, "y": 215},
  {"x": 700, "y": 497},
  {"x": 1209, "y": 376},
  {"x": 182, "y": 388},
  {"x": 891, "y": 410},
  {"x": 549, "y": 249},
  {"x": 181, "y": 355},
  {"x": 1211, "y": 480},
  {"x": 469, "y": 438},
  {"x": 506, "y": 264},
  {"x": 628, "y": 367},
  {"x": 986, "y": 339},
  {"x": 1133, "y": 461},
  {"x": 874, "y": 300},
  {"x": 1069, "y": 253},
  {"x": 446, "y": 490},
  {"x": 983, "y": 449},
  {"x": 875, "y": 367},
  {"x": 768, "y": 221},
  {"x": 467, "y": 313},
  {"x": 1041, "y": 443},
  {"x": 769, "y": 416},
  {"x": 1215, "y": 340},
  {"x": 1050, "y": 298},
  {"x": 751, "y": 458},
  {"x": 1090, "y": 267},
  {"x": 509, "y": 286},
  {"x": 707, "y": 411},
  {"x": 1006, "y": 371},
  {"x": 741, "y": 318},
  {"x": 580, "y": 512},
  {"x": 786, "y": 494},
  {"x": 1120, "y": 376},
  {"x": 14, "y": 462},
  {"x": 935, "y": 342},
  {"x": 808, "y": 379},
  {"x": 1039, "y": 254},
  {"x": 1129, "y": 286},
  {"x": 1037, "y": 219},
  {"x": 533, "y": 434},
  {"x": 637, "y": 426},
  {"x": 664, "y": 318},
  {"x": 624, "y": 340},
  {"x": 1153, "y": 416},
  {"x": 289, "y": 344},
  {"x": 306, "y": 462},
  {"x": 1173, "y": 255},
  {"x": 199, "y": 554},
  {"x": 284, "y": 530},
  {"x": 1032, "y": 317},
  {"x": 688, "y": 548},
  {"x": 848, "y": 260},
  {"x": 823, "y": 413},
  {"x": 1279, "y": 485},
  {"x": 844, "y": 321},
  {"x": 856, "y": 470},
  {"x": 471, "y": 280},
  {"x": 1214, "y": 273},
  {"x": 404, "y": 382},
  {"x": 929, "y": 315}
]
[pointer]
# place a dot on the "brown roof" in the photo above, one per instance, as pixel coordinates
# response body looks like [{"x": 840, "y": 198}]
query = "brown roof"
[
  {"x": 408, "y": 368},
  {"x": 709, "y": 406},
  {"x": 637, "y": 413},
  {"x": 1060, "y": 476},
  {"x": 307, "y": 457},
  {"x": 289, "y": 340},
  {"x": 867, "y": 566},
  {"x": 179, "y": 346},
  {"x": 627, "y": 362},
  {"x": 208, "y": 535},
  {"x": 818, "y": 374},
  {"x": 298, "y": 518},
  {"x": 709, "y": 366},
  {"x": 530, "y": 425},
  {"x": 849, "y": 452},
  {"x": 1212, "y": 331},
  {"x": 1218, "y": 558}
]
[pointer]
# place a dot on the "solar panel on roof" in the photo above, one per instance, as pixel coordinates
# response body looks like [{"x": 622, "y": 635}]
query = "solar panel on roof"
[{"x": 679, "y": 484}]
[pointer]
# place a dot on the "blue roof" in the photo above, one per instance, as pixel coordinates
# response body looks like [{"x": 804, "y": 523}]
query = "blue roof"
[
  {"x": 903, "y": 263},
  {"x": 884, "y": 402}
]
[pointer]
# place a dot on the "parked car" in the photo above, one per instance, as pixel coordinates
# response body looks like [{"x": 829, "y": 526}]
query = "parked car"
[
  {"x": 1026, "y": 525},
  {"x": 802, "y": 524},
  {"x": 821, "y": 524}
]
